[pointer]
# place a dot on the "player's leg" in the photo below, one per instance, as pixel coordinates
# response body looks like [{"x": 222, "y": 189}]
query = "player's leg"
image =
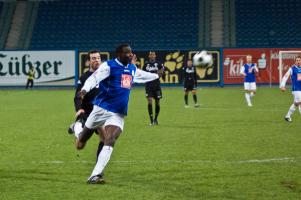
[
  {"x": 27, "y": 84},
  {"x": 150, "y": 109},
  {"x": 31, "y": 84},
  {"x": 252, "y": 89},
  {"x": 101, "y": 131},
  {"x": 247, "y": 87},
  {"x": 76, "y": 127},
  {"x": 297, "y": 103},
  {"x": 157, "y": 110},
  {"x": 113, "y": 129},
  {"x": 157, "y": 102},
  {"x": 149, "y": 97},
  {"x": 96, "y": 119},
  {"x": 194, "y": 93},
  {"x": 186, "y": 92},
  {"x": 291, "y": 110},
  {"x": 83, "y": 137}
]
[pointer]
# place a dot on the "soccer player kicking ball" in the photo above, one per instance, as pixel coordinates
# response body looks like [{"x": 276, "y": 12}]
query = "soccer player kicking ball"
[
  {"x": 248, "y": 70},
  {"x": 115, "y": 78},
  {"x": 295, "y": 73}
]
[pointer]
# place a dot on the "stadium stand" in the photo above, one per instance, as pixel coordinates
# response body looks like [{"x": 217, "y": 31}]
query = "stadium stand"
[
  {"x": 91, "y": 24},
  {"x": 268, "y": 23}
]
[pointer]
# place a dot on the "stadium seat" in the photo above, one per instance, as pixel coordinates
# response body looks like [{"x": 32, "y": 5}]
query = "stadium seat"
[
  {"x": 101, "y": 24},
  {"x": 267, "y": 23}
]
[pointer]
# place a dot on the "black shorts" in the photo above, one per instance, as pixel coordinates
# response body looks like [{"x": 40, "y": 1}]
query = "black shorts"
[
  {"x": 189, "y": 85},
  {"x": 153, "y": 92}
]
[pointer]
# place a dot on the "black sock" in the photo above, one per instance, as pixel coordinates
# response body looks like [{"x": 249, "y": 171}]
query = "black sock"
[
  {"x": 100, "y": 145},
  {"x": 186, "y": 99},
  {"x": 157, "y": 109},
  {"x": 195, "y": 98},
  {"x": 150, "y": 111}
]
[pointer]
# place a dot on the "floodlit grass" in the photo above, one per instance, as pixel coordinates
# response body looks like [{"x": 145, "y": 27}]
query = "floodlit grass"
[{"x": 223, "y": 150}]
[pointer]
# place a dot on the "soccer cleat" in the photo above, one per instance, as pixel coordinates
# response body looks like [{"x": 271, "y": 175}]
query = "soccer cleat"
[
  {"x": 186, "y": 106},
  {"x": 288, "y": 119},
  {"x": 151, "y": 123},
  {"x": 71, "y": 128},
  {"x": 250, "y": 105},
  {"x": 155, "y": 122},
  {"x": 98, "y": 179},
  {"x": 196, "y": 105}
]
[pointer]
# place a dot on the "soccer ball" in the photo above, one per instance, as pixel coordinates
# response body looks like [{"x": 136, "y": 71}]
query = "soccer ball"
[{"x": 202, "y": 59}]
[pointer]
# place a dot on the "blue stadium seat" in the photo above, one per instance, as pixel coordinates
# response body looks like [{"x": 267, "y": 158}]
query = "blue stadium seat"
[
  {"x": 102, "y": 24},
  {"x": 1, "y": 5},
  {"x": 268, "y": 23}
]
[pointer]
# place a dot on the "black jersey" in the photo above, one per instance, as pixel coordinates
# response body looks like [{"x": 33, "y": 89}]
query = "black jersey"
[
  {"x": 153, "y": 67},
  {"x": 86, "y": 103},
  {"x": 190, "y": 74}
]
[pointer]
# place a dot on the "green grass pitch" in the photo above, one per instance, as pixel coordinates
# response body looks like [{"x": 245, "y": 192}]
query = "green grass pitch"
[{"x": 223, "y": 150}]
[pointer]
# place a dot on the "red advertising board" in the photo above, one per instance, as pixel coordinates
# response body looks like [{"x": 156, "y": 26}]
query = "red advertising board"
[{"x": 267, "y": 60}]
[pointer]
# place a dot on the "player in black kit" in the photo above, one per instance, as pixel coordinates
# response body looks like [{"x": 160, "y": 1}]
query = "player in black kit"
[
  {"x": 190, "y": 83},
  {"x": 153, "y": 88},
  {"x": 84, "y": 106}
]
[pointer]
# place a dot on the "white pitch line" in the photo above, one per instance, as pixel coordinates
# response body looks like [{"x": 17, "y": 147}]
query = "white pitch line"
[
  {"x": 270, "y": 160},
  {"x": 241, "y": 109}
]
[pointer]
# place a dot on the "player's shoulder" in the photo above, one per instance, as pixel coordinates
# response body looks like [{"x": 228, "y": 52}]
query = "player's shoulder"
[{"x": 86, "y": 74}]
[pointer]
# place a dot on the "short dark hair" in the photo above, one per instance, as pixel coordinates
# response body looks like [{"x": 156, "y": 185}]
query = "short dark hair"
[
  {"x": 93, "y": 51},
  {"x": 120, "y": 47}
]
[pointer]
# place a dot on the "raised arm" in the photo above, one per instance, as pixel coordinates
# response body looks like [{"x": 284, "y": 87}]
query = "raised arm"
[
  {"x": 143, "y": 76},
  {"x": 284, "y": 79},
  {"x": 100, "y": 74}
]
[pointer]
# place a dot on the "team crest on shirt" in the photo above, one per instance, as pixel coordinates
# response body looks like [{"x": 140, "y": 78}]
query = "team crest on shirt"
[{"x": 126, "y": 81}]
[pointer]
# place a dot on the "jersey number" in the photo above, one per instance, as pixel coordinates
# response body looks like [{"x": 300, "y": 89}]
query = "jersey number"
[{"x": 126, "y": 81}]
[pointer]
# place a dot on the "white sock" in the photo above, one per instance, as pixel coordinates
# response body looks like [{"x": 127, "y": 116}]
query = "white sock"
[
  {"x": 248, "y": 98},
  {"x": 103, "y": 159},
  {"x": 252, "y": 94},
  {"x": 300, "y": 109},
  {"x": 78, "y": 127},
  {"x": 291, "y": 110}
]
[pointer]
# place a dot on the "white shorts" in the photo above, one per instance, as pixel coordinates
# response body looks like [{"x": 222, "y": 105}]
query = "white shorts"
[
  {"x": 250, "y": 85},
  {"x": 297, "y": 96},
  {"x": 102, "y": 117}
]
